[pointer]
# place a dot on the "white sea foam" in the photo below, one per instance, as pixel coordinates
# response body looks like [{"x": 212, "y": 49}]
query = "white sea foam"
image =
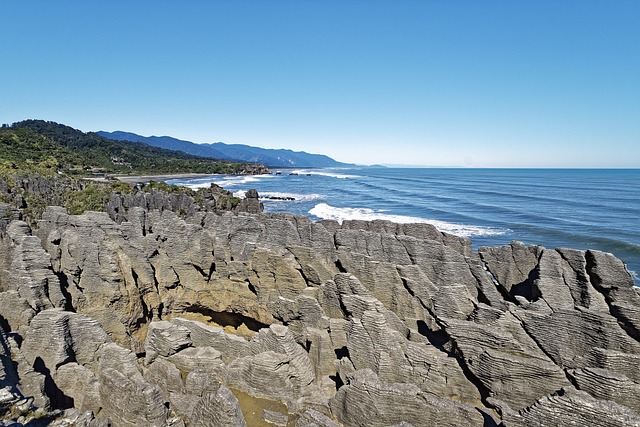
[
  {"x": 267, "y": 195},
  {"x": 318, "y": 173},
  {"x": 197, "y": 185},
  {"x": 332, "y": 174},
  {"x": 232, "y": 180},
  {"x": 634, "y": 275},
  {"x": 222, "y": 180},
  {"x": 325, "y": 211}
]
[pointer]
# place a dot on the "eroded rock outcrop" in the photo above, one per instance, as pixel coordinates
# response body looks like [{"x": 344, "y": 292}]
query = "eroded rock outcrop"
[{"x": 194, "y": 318}]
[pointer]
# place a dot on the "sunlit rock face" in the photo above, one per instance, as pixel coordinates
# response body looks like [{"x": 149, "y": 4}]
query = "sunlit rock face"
[{"x": 156, "y": 317}]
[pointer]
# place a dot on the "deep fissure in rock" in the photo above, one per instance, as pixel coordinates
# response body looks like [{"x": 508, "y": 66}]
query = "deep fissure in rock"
[
  {"x": 58, "y": 399},
  {"x": 64, "y": 288},
  {"x": 226, "y": 318}
]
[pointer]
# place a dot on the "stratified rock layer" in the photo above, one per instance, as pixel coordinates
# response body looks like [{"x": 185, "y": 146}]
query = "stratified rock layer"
[{"x": 208, "y": 319}]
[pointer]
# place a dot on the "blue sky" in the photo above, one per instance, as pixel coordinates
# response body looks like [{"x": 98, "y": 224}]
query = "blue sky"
[{"x": 440, "y": 83}]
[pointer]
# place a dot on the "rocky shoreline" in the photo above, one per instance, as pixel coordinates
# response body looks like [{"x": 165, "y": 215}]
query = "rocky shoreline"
[
  {"x": 153, "y": 315},
  {"x": 141, "y": 179}
]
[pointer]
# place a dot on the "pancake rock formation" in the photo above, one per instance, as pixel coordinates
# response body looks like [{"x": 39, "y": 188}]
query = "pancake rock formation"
[{"x": 143, "y": 317}]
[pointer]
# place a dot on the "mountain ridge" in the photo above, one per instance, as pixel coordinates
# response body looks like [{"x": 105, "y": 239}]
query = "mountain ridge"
[
  {"x": 68, "y": 150},
  {"x": 238, "y": 152}
]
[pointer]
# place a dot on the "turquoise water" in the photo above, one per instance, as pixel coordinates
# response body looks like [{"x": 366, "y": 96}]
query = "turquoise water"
[{"x": 577, "y": 208}]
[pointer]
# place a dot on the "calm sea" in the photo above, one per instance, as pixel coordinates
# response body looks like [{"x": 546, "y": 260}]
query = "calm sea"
[{"x": 577, "y": 208}]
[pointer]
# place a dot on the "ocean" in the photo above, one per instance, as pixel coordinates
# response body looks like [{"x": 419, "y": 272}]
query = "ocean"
[{"x": 573, "y": 208}]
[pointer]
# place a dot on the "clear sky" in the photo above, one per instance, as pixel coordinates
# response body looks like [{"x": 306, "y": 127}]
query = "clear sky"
[{"x": 524, "y": 83}]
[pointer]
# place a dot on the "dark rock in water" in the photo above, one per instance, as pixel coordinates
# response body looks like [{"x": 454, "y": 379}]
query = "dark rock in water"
[
  {"x": 164, "y": 312},
  {"x": 251, "y": 194},
  {"x": 287, "y": 198}
]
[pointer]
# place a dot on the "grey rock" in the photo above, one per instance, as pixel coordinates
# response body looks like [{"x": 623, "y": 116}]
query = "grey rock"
[
  {"x": 30, "y": 271},
  {"x": 199, "y": 359},
  {"x": 199, "y": 382},
  {"x": 367, "y": 401},
  {"x": 568, "y": 336},
  {"x": 74, "y": 417},
  {"x": 16, "y": 311},
  {"x": 127, "y": 398},
  {"x": 8, "y": 213},
  {"x": 383, "y": 324},
  {"x": 577, "y": 278},
  {"x": 606, "y": 271},
  {"x": 606, "y": 385},
  {"x": 165, "y": 339},
  {"x": 611, "y": 277},
  {"x": 279, "y": 369},
  {"x": 313, "y": 418},
  {"x": 551, "y": 284},
  {"x": 506, "y": 360},
  {"x": 275, "y": 418},
  {"x": 202, "y": 335},
  {"x": 80, "y": 384},
  {"x": 615, "y": 361},
  {"x": 165, "y": 375},
  {"x": 572, "y": 407},
  {"x": 513, "y": 266},
  {"x": 219, "y": 409},
  {"x": 264, "y": 375},
  {"x": 57, "y": 337}
]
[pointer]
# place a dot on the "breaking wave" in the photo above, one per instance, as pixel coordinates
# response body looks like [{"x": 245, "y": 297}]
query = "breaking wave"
[
  {"x": 232, "y": 181},
  {"x": 325, "y": 211},
  {"x": 221, "y": 180}
]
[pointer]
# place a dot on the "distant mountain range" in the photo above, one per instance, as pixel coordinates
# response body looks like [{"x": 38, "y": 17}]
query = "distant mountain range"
[
  {"x": 53, "y": 147},
  {"x": 237, "y": 152}
]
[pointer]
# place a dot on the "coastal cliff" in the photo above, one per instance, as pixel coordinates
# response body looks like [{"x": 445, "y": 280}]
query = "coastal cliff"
[{"x": 149, "y": 314}]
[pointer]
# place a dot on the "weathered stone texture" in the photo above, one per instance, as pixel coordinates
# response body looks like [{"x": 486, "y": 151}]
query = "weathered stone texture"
[{"x": 159, "y": 317}]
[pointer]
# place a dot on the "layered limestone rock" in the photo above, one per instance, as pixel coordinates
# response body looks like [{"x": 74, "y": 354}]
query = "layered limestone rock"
[
  {"x": 506, "y": 361},
  {"x": 150, "y": 316},
  {"x": 572, "y": 407},
  {"x": 366, "y": 401}
]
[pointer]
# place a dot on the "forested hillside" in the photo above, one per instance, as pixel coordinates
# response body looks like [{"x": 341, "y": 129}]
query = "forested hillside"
[
  {"x": 68, "y": 150},
  {"x": 43, "y": 163}
]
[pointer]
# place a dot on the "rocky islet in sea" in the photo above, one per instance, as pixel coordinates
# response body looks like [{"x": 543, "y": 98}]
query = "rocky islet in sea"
[{"x": 161, "y": 313}]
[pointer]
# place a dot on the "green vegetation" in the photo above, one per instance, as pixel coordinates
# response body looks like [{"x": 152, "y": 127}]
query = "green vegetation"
[
  {"x": 91, "y": 198},
  {"x": 49, "y": 147},
  {"x": 24, "y": 150},
  {"x": 228, "y": 202},
  {"x": 167, "y": 188},
  {"x": 43, "y": 163}
]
